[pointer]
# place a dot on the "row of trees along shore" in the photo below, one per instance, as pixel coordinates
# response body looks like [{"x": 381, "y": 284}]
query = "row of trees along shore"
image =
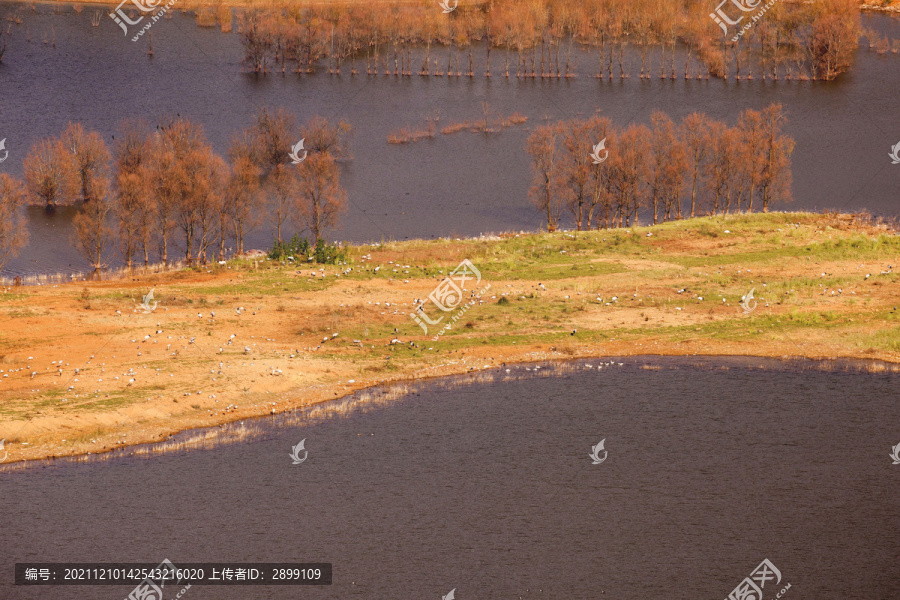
[
  {"x": 795, "y": 39},
  {"x": 165, "y": 187},
  {"x": 667, "y": 170}
]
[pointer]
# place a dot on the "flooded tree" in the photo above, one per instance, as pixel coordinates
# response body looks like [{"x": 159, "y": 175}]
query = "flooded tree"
[
  {"x": 92, "y": 234},
  {"x": 90, "y": 159},
  {"x": 49, "y": 177},
  {"x": 13, "y": 230},
  {"x": 323, "y": 136},
  {"x": 810, "y": 38}
]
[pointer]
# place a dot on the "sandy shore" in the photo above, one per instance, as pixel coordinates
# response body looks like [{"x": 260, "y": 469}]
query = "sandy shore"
[{"x": 85, "y": 368}]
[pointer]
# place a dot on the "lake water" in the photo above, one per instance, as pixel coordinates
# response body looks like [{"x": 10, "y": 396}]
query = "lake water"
[
  {"x": 713, "y": 466},
  {"x": 462, "y": 184}
]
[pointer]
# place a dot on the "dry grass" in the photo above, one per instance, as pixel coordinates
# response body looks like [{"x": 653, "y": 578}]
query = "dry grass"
[{"x": 824, "y": 286}]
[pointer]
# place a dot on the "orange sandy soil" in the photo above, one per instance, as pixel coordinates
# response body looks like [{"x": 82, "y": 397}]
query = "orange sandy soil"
[
  {"x": 886, "y": 5},
  {"x": 84, "y": 369}
]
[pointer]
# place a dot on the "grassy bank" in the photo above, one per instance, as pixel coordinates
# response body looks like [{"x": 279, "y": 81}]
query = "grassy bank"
[{"x": 86, "y": 370}]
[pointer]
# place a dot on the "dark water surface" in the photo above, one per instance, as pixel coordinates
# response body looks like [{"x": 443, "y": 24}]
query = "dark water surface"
[
  {"x": 461, "y": 184},
  {"x": 713, "y": 466}
]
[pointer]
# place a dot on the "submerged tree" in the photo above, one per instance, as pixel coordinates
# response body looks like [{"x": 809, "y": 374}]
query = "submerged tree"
[
  {"x": 90, "y": 160},
  {"x": 92, "y": 234},
  {"x": 13, "y": 232},
  {"x": 49, "y": 178}
]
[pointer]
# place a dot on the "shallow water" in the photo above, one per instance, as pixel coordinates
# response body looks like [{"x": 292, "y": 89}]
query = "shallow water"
[
  {"x": 713, "y": 466},
  {"x": 462, "y": 184}
]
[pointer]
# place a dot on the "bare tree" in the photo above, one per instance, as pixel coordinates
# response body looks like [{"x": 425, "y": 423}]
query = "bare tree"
[
  {"x": 13, "y": 232},
  {"x": 775, "y": 179},
  {"x": 90, "y": 160},
  {"x": 49, "y": 178},
  {"x": 544, "y": 193},
  {"x": 694, "y": 132},
  {"x": 668, "y": 163},
  {"x": 577, "y": 167},
  {"x": 725, "y": 167},
  {"x": 243, "y": 195},
  {"x": 186, "y": 181},
  {"x": 275, "y": 134},
  {"x": 320, "y": 197},
  {"x": 629, "y": 172},
  {"x": 133, "y": 201},
  {"x": 92, "y": 234},
  {"x": 325, "y": 137}
]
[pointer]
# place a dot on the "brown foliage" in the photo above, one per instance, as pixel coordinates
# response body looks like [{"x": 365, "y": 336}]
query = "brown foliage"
[
  {"x": 49, "y": 176},
  {"x": 320, "y": 198},
  {"x": 702, "y": 162}
]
